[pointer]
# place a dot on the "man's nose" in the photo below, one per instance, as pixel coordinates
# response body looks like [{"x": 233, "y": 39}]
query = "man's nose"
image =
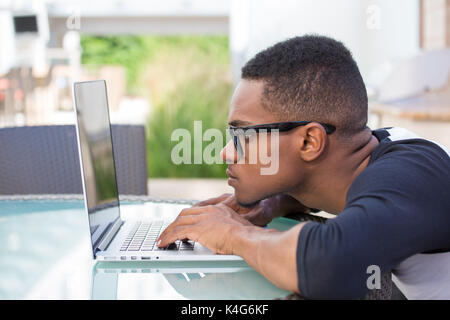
[{"x": 228, "y": 153}]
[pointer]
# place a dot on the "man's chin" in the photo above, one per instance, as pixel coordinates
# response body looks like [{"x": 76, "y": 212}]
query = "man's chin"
[
  {"x": 246, "y": 203},
  {"x": 249, "y": 202}
]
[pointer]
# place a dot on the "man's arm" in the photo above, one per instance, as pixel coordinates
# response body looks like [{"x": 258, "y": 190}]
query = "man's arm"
[
  {"x": 264, "y": 211},
  {"x": 270, "y": 252}
]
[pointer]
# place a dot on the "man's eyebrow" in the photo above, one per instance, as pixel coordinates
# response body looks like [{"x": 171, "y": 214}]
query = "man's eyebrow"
[{"x": 239, "y": 123}]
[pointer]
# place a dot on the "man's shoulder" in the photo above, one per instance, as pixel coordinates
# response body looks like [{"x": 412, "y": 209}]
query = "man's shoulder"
[
  {"x": 399, "y": 139},
  {"x": 404, "y": 161},
  {"x": 400, "y": 149}
]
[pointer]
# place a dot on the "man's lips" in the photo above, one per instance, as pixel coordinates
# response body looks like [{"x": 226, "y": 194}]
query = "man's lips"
[{"x": 230, "y": 174}]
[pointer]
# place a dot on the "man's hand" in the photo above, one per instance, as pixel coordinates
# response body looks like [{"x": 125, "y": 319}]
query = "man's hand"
[
  {"x": 211, "y": 225},
  {"x": 230, "y": 201},
  {"x": 222, "y": 230},
  {"x": 263, "y": 212}
]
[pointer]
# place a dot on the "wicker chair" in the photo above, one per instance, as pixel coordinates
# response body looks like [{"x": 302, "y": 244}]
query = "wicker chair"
[{"x": 44, "y": 160}]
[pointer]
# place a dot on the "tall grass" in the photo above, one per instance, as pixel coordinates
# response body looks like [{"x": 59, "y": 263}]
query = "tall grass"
[
  {"x": 130, "y": 52},
  {"x": 186, "y": 78},
  {"x": 189, "y": 78}
]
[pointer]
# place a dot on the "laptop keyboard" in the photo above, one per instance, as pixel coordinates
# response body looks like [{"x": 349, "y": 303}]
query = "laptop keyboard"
[{"x": 143, "y": 235}]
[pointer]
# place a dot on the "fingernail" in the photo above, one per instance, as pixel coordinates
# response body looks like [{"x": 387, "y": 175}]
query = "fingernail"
[{"x": 157, "y": 243}]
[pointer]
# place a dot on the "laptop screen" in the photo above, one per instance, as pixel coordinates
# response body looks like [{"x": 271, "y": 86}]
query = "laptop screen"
[{"x": 94, "y": 132}]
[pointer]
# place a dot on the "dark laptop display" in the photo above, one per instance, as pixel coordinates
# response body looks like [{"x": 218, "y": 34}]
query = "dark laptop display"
[{"x": 97, "y": 157}]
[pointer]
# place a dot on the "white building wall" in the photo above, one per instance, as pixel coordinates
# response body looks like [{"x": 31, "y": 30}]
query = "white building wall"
[
  {"x": 374, "y": 30},
  {"x": 7, "y": 42}
]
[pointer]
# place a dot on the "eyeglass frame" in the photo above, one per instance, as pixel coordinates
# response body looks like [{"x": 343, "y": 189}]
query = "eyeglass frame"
[{"x": 280, "y": 126}]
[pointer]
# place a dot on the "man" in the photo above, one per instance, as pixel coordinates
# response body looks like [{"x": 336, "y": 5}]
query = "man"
[{"x": 390, "y": 191}]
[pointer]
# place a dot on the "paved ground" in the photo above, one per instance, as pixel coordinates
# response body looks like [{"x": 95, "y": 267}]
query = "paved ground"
[{"x": 197, "y": 189}]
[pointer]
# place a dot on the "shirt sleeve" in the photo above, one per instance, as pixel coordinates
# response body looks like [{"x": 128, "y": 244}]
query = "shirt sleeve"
[{"x": 397, "y": 207}]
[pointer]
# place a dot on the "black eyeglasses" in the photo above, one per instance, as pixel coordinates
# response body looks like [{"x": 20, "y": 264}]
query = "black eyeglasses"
[{"x": 240, "y": 133}]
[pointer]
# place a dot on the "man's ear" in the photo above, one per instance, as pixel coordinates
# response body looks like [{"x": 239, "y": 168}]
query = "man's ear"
[{"x": 313, "y": 140}]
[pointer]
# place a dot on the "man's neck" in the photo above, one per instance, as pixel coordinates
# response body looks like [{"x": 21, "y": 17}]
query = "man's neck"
[{"x": 328, "y": 184}]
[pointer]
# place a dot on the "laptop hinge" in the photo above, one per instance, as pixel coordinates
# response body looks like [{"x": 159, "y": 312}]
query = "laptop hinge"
[{"x": 109, "y": 235}]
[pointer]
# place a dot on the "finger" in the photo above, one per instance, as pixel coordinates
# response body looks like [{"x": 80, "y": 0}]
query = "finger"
[
  {"x": 211, "y": 201},
  {"x": 232, "y": 203},
  {"x": 199, "y": 212},
  {"x": 255, "y": 219},
  {"x": 180, "y": 232},
  {"x": 194, "y": 210},
  {"x": 179, "y": 222},
  {"x": 249, "y": 215}
]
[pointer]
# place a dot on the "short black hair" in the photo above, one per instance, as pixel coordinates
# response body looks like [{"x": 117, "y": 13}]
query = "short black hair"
[{"x": 311, "y": 78}]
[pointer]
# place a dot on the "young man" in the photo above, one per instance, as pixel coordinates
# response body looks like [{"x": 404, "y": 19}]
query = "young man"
[{"x": 389, "y": 190}]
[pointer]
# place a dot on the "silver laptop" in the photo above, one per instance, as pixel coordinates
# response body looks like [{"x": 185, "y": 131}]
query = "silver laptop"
[{"x": 114, "y": 238}]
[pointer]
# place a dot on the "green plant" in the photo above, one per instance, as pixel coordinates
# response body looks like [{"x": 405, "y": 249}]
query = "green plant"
[
  {"x": 128, "y": 51},
  {"x": 185, "y": 78},
  {"x": 190, "y": 104},
  {"x": 190, "y": 79}
]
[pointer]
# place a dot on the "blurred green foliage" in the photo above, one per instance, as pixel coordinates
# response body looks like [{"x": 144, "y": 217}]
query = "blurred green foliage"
[
  {"x": 127, "y": 51},
  {"x": 186, "y": 78}
]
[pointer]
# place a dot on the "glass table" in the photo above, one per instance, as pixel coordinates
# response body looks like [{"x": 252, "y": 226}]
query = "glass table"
[{"x": 46, "y": 254}]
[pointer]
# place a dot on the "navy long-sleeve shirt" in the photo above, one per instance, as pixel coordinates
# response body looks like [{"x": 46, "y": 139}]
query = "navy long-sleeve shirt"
[{"x": 398, "y": 207}]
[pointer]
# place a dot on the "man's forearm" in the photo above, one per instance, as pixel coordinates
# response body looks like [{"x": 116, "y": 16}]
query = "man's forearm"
[{"x": 270, "y": 252}]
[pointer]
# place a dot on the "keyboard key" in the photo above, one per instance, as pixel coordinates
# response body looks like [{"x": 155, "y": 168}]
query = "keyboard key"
[
  {"x": 172, "y": 246},
  {"x": 187, "y": 246},
  {"x": 142, "y": 237}
]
